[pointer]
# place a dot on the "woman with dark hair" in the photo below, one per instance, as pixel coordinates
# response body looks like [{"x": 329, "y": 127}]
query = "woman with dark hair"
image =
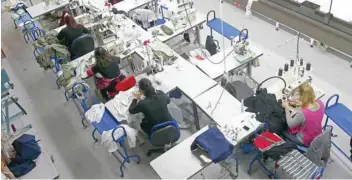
[
  {"x": 72, "y": 31},
  {"x": 152, "y": 103},
  {"x": 107, "y": 71}
]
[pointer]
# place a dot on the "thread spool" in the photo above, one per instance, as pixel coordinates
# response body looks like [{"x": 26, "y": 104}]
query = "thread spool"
[
  {"x": 308, "y": 66},
  {"x": 286, "y": 67},
  {"x": 280, "y": 72},
  {"x": 292, "y": 63}
]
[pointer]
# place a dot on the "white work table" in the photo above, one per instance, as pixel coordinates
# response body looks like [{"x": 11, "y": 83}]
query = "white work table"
[
  {"x": 228, "y": 106},
  {"x": 130, "y": 5},
  {"x": 182, "y": 74},
  {"x": 180, "y": 163},
  {"x": 200, "y": 19},
  {"x": 41, "y": 9},
  {"x": 214, "y": 71}
]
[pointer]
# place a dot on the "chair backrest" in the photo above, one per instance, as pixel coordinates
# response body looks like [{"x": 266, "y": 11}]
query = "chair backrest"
[
  {"x": 320, "y": 147},
  {"x": 82, "y": 45},
  {"x": 164, "y": 133},
  {"x": 210, "y": 45}
]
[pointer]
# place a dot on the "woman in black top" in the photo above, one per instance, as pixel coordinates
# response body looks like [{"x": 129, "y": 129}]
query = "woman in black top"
[
  {"x": 72, "y": 31},
  {"x": 153, "y": 106},
  {"x": 107, "y": 71}
]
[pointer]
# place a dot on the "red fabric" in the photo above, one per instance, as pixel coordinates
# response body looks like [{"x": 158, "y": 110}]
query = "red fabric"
[
  {"x": 295, "y": 130},
  {"x": 90, "y": 71},
  {"x": 261, "y": 143},
  {"x": 124, "y": 85}
]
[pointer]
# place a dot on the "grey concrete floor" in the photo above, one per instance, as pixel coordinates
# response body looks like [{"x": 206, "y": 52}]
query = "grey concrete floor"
[{"x": 58, "y": 121}]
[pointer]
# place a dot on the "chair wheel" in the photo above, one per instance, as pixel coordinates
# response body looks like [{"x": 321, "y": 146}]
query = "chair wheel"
[
  {"x": 149, "y": 154},
  {"x": 122, "y": 175},
  {"x": 85, "y": 127},
  {"x": 249, "y": 172}
]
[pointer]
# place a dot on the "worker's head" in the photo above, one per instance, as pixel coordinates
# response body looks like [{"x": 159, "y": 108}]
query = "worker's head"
[
  {"x": 307, "y": 95},
  {"x": 70, "y": 21},
  {"x": 102, "y": 57},
  {"x": 146, "y": 87}
]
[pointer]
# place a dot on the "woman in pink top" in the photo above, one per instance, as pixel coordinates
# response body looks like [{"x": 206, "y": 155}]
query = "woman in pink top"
[{"x": 307, "y": 123}]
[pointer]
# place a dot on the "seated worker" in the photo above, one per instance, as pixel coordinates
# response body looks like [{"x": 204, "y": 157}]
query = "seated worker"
[
  {"x": 307, "y": 123},
  {"x": 153, "y": 105},
  {"x": 72, "y": 31},
  {"x": 107, "y": 71}
]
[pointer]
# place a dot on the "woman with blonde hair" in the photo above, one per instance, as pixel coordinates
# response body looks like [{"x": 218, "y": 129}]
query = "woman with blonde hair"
[{"x": 307, "y": 123}]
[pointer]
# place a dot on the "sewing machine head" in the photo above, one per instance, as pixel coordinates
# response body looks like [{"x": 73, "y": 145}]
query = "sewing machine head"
[
  {"x": 241, "y": 48},
  {"x": 183, "y": 18},
  {"x": 116, "y": 47},
  {"x": 291, "y": 90}
]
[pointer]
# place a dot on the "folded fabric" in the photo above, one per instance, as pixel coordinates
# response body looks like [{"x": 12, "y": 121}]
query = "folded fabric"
[
  {"x": 95, "y": 113},
  {"x": 122, "y": 102},
  {"x": 267, "y": 140},
  {"x": 107, "y": 140},
  {"x": 214, "y": 143}
]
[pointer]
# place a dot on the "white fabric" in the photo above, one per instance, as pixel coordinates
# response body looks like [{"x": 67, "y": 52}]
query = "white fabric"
[
  {"x": 107, "y": 140},
  {"x": 95, "y": 113},
  {"x": 145, "y": 16},
  {"x": 121, "y": 103}
]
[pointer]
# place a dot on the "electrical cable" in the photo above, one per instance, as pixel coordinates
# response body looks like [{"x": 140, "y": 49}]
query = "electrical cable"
[
  {"x": 225, "y": 56},
  {"x": 273, "y": 77},
  {"x": 198, "y": 43}
]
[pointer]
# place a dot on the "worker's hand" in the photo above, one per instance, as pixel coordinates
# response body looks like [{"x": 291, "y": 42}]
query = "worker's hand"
[
  {"x": 137, "y": 95},
  {"x": 285, "y": 105}
]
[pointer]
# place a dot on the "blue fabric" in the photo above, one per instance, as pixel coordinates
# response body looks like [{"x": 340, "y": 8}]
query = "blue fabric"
[
  {"x": 27, "y": 147},
  {"x": 20, "y": 167},
  {"x": 214, "y": 143}
]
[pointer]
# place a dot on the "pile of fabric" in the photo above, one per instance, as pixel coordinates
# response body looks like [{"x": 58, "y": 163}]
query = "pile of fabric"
[
  {"x": 48, "y": 46},
  {"x": 95, "y": 114},
  {"x": 18, "y": 158},
  {"x": 267, "y": 109}
]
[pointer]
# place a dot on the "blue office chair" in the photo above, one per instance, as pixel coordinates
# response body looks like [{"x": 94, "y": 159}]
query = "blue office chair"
[
  {"x": 163, "y": 135},
  {"x": 81, "y": 93},
  {"x": 82, "y": 45}
]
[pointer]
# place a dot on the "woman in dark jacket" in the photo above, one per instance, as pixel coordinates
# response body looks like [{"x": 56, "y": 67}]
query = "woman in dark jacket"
[
  {"x": 72, "y": 31},
  {"x": 107, "y": 71},
  {"x": 153, "y": 105}
]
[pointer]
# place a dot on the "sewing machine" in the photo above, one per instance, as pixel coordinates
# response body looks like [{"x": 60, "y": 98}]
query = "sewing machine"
[
  {"x": 182, "y": 19},
  {"x": 291, "y": 90},
  {"x": 116, "y": 47},
  {"x": 83, "y": 19},
  {"x": 104, "y": 33},
  {"x": 241, "y": 50}
]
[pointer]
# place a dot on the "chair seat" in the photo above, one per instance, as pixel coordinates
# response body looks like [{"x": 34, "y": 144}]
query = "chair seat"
[
  {"x": 107, "y": 122},
  {"x": 229, "y": 31},
  {"x": 341, "y": 115}
]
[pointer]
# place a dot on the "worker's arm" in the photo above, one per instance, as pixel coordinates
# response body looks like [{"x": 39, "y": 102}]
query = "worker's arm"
[
  {"x": 296, "y": 120},
  {"x": 164, "y": 96},
  {"x": 135, "y": 107}
]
